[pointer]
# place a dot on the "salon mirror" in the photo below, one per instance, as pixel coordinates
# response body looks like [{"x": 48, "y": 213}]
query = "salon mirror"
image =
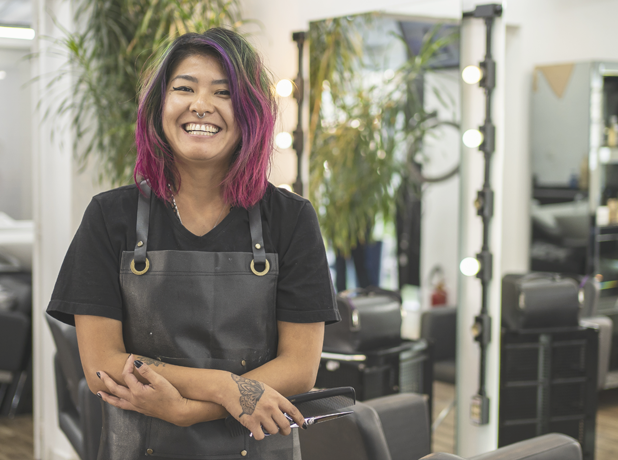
[{"x": 384, "y": 110}]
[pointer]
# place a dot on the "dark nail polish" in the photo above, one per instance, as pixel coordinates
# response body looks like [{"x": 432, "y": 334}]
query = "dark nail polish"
[
  {"x": 305, "y": 425},
  {"x": 138, "y": 363},
  {"x": 99, "y": 374},
  {"x": 99, "y": 395}
]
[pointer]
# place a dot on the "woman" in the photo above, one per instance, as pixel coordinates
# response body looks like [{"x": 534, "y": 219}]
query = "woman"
[{"x": 202, "y": 290}]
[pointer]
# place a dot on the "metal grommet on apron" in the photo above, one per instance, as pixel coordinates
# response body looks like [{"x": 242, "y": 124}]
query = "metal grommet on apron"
[
  {"x": 257, "y": 242},
  {"x": 195, "y": 309}
]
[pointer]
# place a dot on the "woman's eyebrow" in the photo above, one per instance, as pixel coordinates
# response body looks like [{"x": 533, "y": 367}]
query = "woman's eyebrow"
[
  {"x": 223, "y": 81},
  {"x": 185, "y": 77}
]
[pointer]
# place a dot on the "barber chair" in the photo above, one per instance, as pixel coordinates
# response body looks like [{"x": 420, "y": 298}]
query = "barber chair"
[
  {"x": 439, "y": 327},
  {"x": 15, "y": 340},
  {"x": 547, "y": 447},
  {"x": 394, "y": 427},
  {"x": 79, "y": 410}
]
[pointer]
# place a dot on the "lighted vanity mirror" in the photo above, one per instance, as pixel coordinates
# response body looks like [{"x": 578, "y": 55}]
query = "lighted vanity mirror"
[{"x": 384, "y": 111}]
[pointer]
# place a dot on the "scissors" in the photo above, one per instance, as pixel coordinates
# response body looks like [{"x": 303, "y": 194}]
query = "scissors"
[{"x": 313, "y": 420}]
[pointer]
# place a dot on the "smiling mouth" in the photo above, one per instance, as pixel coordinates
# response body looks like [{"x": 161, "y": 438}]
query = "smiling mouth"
[{"x": 201, "y": 130}]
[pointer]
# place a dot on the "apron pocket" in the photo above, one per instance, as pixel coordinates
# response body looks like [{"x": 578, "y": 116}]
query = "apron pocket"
[{"x": 208, "y": 441}]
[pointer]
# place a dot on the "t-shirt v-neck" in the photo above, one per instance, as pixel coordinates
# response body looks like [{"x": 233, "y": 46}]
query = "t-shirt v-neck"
[{"x": 88, "y": 282}]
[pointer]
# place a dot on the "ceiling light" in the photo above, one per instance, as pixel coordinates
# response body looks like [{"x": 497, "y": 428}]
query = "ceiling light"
[
  {"x": 470, "y": 266},
  {"x": 472, "y": 138},
  {"x": 284, "y": 140},
  {"x": 20, "y": 33},
  {"x": 472, "y": 74},
  {"x": 284, "y": 88}
]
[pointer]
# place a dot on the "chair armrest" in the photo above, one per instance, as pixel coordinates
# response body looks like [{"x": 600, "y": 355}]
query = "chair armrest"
[
  {"x": 405, "y": 422},
  {"x": 551, "y": 446}
]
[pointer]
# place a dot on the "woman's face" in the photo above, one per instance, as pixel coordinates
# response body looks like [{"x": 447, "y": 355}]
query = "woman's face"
[{"x": 198, "y": 84}]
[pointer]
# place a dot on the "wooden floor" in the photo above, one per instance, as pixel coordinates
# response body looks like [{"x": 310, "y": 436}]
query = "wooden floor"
[
  {"x": 16, "y": 441},
  {"x": 16, "y": 435}
]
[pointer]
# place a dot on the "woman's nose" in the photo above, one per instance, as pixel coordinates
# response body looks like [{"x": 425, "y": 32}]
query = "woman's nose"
[{"x": 202, "y": 104}]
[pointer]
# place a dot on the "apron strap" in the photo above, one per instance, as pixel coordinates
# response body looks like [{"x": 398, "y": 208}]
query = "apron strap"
[
  {"x": 257, "y": 241},
  {"x": 141, "y": 227}
]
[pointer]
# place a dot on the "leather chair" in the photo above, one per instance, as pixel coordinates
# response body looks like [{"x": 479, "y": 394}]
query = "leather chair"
[
  {"x": 394, "y": 427},
  {"x": 15, "y": 339},
  {"x": 79, "y": 410},
  {"x": 547, "y": 447},
  {"x": 439, "y": 327}
]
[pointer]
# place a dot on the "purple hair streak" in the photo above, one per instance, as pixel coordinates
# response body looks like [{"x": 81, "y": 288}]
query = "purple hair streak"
[{"x": 255, "y": 111}]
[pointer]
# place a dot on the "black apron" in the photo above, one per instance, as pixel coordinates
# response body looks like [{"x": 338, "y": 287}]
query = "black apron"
[{"x": 213, "y": 310}]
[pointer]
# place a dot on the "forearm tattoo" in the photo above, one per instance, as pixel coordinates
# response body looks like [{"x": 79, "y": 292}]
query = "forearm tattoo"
[
  {"x": 150, "y": 361},
  {"x": 250, "y": 393}
]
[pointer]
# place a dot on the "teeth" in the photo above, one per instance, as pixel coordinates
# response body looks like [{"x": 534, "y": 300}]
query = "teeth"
[{"x": 197, "y": 128}]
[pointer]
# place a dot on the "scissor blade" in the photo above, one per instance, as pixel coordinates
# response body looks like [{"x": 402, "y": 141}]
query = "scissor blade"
[
  {"x": 323, "y": 418},
  {"x": 314, "y": 420}
]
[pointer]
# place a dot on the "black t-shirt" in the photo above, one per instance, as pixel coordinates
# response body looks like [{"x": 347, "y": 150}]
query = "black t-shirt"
[{"x": 88, "y": 282}]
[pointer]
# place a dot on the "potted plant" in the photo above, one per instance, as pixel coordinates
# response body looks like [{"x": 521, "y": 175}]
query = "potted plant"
[{"x": 366, "y": 134}]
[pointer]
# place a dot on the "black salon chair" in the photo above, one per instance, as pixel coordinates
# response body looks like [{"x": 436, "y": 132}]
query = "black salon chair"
[
  {"x": 548, "y": 447},
  {"x": 79, "y": 410},
  {"x": 15, "y": 340},
  {"x": 394, "y": 427},
  {"x": 439, "y": 327}
]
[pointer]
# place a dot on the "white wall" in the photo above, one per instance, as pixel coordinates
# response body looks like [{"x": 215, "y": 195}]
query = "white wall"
[
  {"x": 60, "y": 197},
  {"x": 16, "y": 112}
]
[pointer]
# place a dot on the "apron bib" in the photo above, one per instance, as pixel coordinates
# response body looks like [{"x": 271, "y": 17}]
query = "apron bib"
[{"x": 211, "y": 310}]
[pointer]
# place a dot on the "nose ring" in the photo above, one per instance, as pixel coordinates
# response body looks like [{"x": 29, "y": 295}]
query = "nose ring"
[{"x": 200, "y": 116}]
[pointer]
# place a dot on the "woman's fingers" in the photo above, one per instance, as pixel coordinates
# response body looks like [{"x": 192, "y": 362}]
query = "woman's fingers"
[
  {"x": 117, "y": 402},
  {"x": 115, "y": 389},
  {"x": 150, "y": 376},
  {"x": 127, "y": 371},
  {"x": 293, "y": 413}
]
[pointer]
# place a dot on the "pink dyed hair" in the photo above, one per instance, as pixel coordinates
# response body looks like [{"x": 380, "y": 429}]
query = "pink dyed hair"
[{"x": 255, "y": 111}]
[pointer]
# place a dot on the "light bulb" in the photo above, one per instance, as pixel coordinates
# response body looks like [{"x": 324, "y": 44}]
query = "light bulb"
[
  {"x": 284, "y": 140},
  {"x": 20, "y": 33},
  {"x": 470, "y": 266},
  {"x": 284, "y": 88},
  {"x": 472, "y": 138},
  {"x": 472, "y": 74}
]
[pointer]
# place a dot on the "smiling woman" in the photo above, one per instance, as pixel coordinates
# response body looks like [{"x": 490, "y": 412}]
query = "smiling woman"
[
  {"x": 180, "y": 322},
  {"x": 199, "y": 88}
]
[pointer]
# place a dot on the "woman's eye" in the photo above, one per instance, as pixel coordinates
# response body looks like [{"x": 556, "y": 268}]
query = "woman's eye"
[
  {"x": 224, "y": 92},
  {"x": 181, "y": 88}
]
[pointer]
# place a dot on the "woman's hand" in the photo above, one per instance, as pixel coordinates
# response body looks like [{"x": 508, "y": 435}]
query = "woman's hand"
[
  {"x": 260, "y": 408},
  {"x": 159, "y": 398}
]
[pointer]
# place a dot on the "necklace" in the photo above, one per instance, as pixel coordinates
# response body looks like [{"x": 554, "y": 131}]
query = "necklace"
[{"x": 178, "y": 212}]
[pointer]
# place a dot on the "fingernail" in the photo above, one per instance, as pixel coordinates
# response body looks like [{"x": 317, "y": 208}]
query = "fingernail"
[
  {"x": 99, "y": 395},
  {"x": 99, "y": 374},
  {"x": 137, "y": 363},
  {"x": 305, "y": 425}
]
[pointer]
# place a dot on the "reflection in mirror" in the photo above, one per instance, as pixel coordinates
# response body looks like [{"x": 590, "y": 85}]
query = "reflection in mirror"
[
  {"x": 574, "y": 148},
  {"x": 384, "y": 162}
]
